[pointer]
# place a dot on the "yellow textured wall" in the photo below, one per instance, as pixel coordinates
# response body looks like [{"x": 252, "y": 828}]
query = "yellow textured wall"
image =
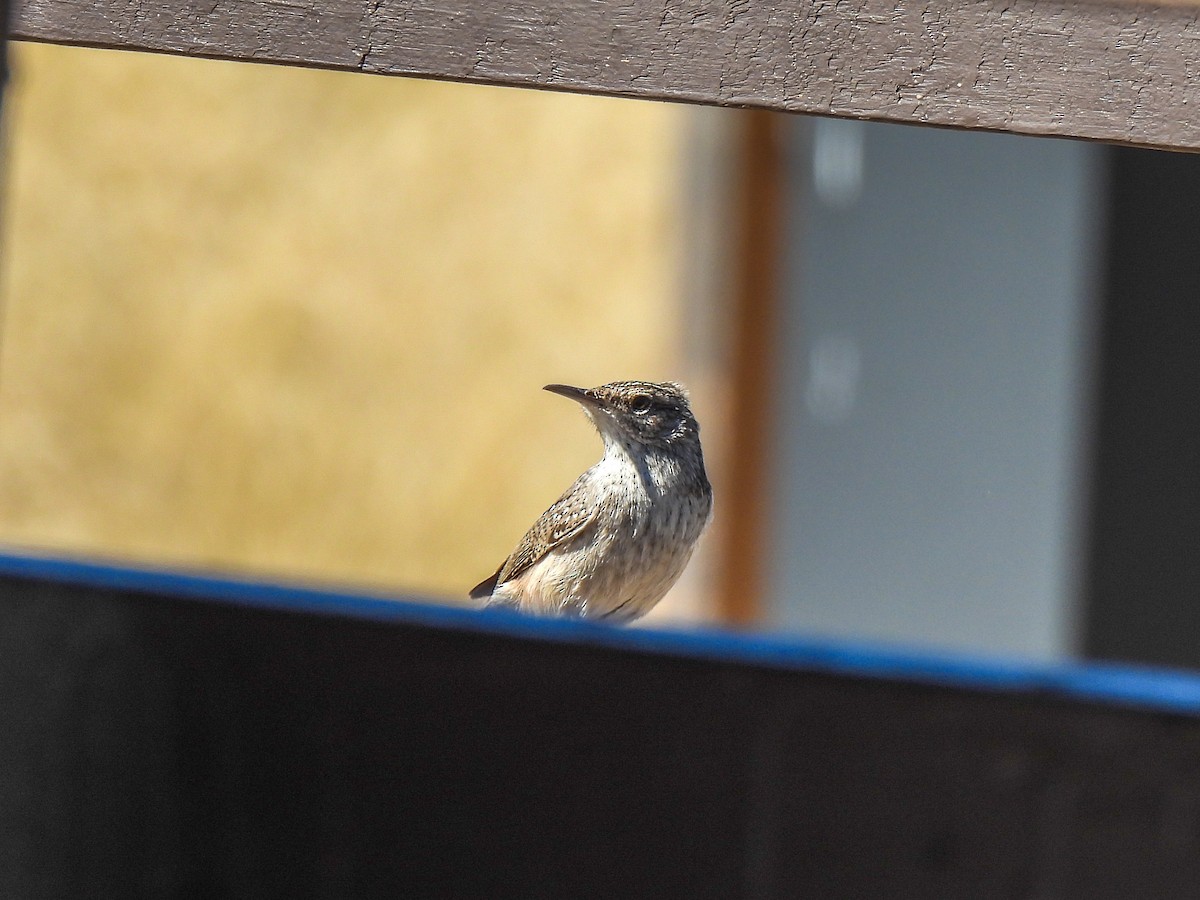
[{"x": 295, "y": 323}]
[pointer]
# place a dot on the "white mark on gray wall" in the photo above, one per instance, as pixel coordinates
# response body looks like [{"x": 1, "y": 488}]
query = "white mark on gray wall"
[
  {"x": 838, "y": 158},
  {"x": 834, "y": 373}
]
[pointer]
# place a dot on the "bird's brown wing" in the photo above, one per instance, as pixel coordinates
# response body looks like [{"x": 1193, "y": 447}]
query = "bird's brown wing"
[{"x": 570, "y": 515}]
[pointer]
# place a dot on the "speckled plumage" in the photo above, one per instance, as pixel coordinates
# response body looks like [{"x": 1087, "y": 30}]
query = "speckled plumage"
[{"x": 614, "y": 543}]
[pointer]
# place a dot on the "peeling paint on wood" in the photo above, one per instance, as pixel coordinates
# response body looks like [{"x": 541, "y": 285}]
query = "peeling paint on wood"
[{"x": 1107, "y": 71}]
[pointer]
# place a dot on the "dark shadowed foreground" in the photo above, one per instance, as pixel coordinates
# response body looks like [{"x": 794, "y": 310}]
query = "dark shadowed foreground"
[{"x": 286, "y": 743}]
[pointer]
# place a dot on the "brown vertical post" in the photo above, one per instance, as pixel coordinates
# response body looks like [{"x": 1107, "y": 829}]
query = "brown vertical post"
[{"x": 757, "y": 229}]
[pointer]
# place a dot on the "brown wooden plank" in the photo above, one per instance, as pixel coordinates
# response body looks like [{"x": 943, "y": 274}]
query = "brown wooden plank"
[{"x": 1109, "y": 71}]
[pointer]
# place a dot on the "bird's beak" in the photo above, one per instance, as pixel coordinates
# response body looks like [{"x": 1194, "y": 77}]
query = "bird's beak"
[{"x": 577, "y": 394}]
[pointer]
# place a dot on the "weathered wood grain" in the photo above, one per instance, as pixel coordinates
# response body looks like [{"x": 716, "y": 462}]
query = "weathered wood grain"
[{"x": 1108, "y": 71}]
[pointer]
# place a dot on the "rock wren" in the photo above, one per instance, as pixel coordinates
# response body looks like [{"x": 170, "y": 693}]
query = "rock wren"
[{"x": 611, "y": 546}]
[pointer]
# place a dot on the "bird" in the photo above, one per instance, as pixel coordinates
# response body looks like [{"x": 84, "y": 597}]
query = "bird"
[{"x": 612, "y": 545}]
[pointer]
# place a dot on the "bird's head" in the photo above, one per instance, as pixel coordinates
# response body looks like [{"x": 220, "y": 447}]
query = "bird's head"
[{"x": 642, "y": 413}]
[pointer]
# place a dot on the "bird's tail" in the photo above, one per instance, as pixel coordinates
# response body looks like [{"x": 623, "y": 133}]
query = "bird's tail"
[{"x": 484, "y": 589}]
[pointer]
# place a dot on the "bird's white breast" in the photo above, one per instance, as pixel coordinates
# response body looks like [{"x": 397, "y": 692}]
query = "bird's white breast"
[{"x": 647, "y": 523}]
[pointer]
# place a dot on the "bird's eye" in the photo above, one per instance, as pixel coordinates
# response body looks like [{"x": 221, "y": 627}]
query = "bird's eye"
[{"x": 640, "y": 403}]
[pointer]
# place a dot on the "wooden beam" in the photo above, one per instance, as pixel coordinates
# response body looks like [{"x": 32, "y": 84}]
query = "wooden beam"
[{"x": 1119, "y": 72}]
